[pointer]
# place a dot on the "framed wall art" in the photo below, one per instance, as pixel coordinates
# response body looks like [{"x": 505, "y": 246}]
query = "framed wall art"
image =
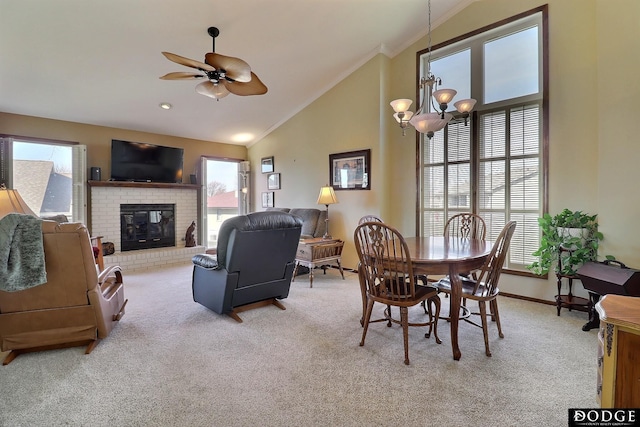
[
  {"x": 350, "y": 170},
  {"x": 273, "y": 181},
  {"x": 267, "y": 199},
  {"x": 267, "y": 165}
]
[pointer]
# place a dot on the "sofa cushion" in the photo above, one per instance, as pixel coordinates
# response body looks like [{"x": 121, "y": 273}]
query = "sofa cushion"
[
  {"x": 279, "y": 209},
  {"x": 313, "y": 221}
]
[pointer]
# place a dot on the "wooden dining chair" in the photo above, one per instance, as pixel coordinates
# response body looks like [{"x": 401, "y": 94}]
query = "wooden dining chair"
[
  {"x": 386, "y": 273},
  {"x": 485, "y": 288},
  {"x": 369, "y": 218},
  {"x": 466, "y": 225},
  {"x": 363, "y": 291}
]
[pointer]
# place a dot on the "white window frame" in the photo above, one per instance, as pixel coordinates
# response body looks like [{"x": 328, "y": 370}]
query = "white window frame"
[{"x": 78, "y": 167}]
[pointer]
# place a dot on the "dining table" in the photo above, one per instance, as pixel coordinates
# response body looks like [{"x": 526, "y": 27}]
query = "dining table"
[{"x": 447, "y": 255}]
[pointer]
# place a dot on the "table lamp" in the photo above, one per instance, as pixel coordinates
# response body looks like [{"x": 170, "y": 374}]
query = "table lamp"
[
  {"x": 12, "y": 202},
  {"x": 327, "y": 197}
]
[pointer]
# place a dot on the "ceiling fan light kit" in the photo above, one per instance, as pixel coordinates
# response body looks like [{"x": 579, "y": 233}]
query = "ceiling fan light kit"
[{"x": 224, "y": 74}]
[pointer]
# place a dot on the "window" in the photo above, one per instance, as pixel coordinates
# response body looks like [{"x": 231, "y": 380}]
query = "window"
[
  {"x": 50, "y": 175},
  {"x": 226, "y": 191},
  {"x": 495, "y": 165}
]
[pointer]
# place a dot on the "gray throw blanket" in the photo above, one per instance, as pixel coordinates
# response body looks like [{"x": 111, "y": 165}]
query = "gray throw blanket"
[{"x": 21, "y": 252}]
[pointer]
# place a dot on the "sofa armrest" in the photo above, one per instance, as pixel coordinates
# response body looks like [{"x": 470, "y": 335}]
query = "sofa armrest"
[
  {"x": 207, "y": 261},
  {"x": 108, "y": 299},
  {"x": 214, "y": 288}
]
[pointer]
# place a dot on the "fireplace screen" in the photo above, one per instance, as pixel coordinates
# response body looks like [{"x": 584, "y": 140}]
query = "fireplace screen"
[{"x": 146, "y": 226}]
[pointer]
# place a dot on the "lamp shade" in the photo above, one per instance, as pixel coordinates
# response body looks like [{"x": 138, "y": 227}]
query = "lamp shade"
[
  {"x": 430, "y": 122},
  {"x": 212, "y": 90},
  {"x": 12, "y": 202},
  {"x": 406, "y": 118},
  {"x": 327, "y": 196},
  {"x": 465, "y": 105},
  {"x": 401, "y": 105},
  {"x": 444, "y": 96}
]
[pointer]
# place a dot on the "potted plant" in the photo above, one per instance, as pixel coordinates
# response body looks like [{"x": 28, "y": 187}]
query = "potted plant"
[{"x": 572, "y": 235}]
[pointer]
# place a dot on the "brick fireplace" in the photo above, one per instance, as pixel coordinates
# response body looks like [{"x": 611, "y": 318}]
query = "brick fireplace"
[{"x": 106, "y": 200}]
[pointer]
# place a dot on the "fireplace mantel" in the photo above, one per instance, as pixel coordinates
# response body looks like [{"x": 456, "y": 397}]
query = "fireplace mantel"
[{"x": 142, "y": 184}]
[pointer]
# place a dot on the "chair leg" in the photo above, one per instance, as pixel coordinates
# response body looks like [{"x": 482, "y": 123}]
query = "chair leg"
[
  {"x": 433, "y": 325},
  {"x": 404, "y": 319},
  {"x": 426, "y": 304},
  {"x": 340, "y": 268},
  {"x": 367, "y": 318},
  {"x": 483, "y": 315},
  {"x": 496, "y": 316}
]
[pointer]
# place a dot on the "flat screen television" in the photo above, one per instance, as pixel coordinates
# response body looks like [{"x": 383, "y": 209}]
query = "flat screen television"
[{"x": 136, "y": 161}]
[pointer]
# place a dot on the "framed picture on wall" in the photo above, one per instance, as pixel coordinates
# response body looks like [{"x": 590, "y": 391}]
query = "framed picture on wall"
[
  {"x": 267, "y": 199},
  {"x": 267, "y": 164},
  {"x": 350, "y": 170},
  {"x": 273, "y": 181}
]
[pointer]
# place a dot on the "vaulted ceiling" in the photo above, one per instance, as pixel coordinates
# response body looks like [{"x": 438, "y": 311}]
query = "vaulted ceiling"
[{"x": 99, "y": 62}]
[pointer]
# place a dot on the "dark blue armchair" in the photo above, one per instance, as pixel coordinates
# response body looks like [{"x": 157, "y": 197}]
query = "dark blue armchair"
[{"x": 253, "y": 265}]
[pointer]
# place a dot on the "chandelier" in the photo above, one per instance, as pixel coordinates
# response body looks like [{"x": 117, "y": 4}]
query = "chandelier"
[{"x": 432, "y": 114}]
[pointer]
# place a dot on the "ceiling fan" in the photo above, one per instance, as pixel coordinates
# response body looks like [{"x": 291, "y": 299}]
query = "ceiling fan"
[{"x": 224, "y": 74}]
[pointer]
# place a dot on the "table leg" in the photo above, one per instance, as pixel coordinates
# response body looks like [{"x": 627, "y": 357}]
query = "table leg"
[{"x": 454, "y": 309}]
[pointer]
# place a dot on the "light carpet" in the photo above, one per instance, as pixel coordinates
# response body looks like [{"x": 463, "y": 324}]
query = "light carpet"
[{"x": 172, "y": 362}]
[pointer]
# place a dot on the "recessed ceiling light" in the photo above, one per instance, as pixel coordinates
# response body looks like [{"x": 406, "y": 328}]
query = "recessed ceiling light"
[
  {"x": 242, "y": 137},
  {"x": 165, "y": 105}
]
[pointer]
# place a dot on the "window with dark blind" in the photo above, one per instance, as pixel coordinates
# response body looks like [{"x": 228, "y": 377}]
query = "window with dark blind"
[{"x": 493, "y": 165}]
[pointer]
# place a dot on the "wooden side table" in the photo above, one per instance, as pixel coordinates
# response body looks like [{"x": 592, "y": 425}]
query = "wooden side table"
[
  {"x": 97, "y": 242},
  {"x": 318, "y": 252}
]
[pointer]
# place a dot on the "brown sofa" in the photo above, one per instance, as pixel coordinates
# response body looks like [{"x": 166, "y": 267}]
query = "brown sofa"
[
  {"x": 314, "y": 222},
  {"x": 75, "y": 306}
]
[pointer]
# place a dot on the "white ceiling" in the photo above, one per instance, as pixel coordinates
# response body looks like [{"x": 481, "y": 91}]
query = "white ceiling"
[{"x": 99, "y": 62}]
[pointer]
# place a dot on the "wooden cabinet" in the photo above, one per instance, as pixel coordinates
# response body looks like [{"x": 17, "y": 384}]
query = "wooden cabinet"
[{"x": 618, "y": 375}]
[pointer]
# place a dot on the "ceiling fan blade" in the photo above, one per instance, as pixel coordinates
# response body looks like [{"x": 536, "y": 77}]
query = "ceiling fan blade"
[
  {"x": 180, "y": 75},
  {"x": 188, "y": 62},
  {"x": 212, "y": 90},
  {"x": 254, "y": 87},
  {"x": 235, "y": 68}
]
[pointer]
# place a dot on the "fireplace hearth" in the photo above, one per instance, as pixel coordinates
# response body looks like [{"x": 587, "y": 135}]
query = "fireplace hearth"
[{"x": 147, "y": 226}]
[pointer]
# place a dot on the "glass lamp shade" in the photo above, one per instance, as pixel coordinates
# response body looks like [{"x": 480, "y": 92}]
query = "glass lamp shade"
[
  {"x": 465, "y": 105},
  {"x": 406, "y": 118},
  {"x": 212, "y": 90},
  {"x": 430, "y": 122},
  {"x": 444, "y": 96},
  {"x": 401, "y": 105},
  {"x": 12, "y": 202},
  {"x": 327, "y": 196}
]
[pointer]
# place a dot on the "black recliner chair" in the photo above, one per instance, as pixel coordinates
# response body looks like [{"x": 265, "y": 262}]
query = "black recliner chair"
[{"x": 253, "y": 265}]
